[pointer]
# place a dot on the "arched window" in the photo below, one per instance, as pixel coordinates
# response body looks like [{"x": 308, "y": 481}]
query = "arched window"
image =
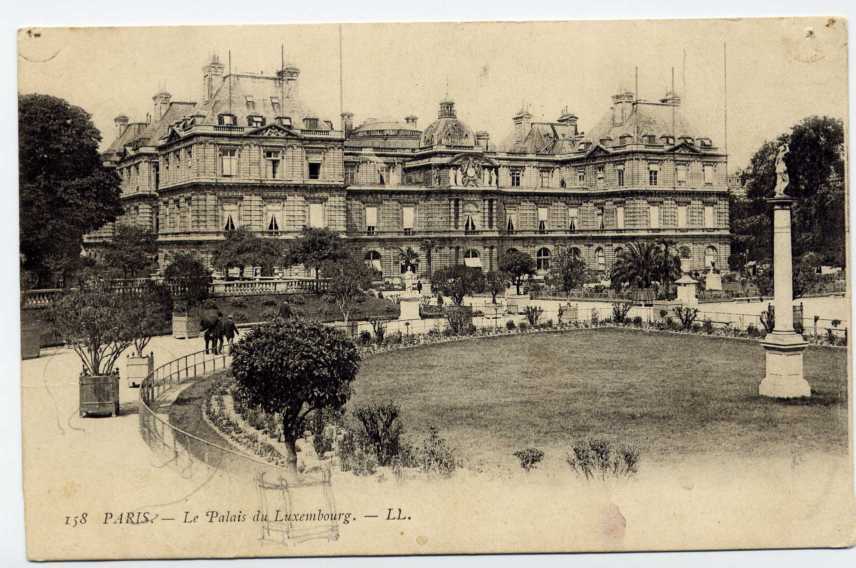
[
  {"x": 618, "y": 252},
  {"x": 472, "y": 259},
  {"x": 599, "y": 259},
  {"x": 542, "y": 259},
  {"x": 372, "y": 260},
  {"x": 710, "y": 257},
  {"x": 511, "y": 250}
]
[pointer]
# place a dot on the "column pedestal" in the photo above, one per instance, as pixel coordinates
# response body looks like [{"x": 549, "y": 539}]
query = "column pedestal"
[{"x": 784, "y": 364}]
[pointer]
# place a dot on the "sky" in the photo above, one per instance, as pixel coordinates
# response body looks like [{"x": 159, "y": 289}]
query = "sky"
[{"x": 778, "y": 70}]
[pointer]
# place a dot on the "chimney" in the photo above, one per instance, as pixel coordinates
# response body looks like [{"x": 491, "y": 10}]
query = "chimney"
[
  {"x": 522, "y": 125},
  {"x": 347, "y": 123},
  {"x": 212, "y": 77},
  {"x": 161, "y": 103},
  {"x": 411, "y": 121},
  {"x": 482, "y": 140},
  {"x": 291, "y": 75},
  {"x": 622, "y": 106},
  {"x": 120, "y": 122},
  {"x": 569, "y": 119}
]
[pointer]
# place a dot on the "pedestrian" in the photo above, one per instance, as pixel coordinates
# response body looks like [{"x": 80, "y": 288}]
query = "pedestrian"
[
  {"x": 230, "y": 330},
  {"x": 419, "y": 286},
  {"x": 218, "y": 332}
]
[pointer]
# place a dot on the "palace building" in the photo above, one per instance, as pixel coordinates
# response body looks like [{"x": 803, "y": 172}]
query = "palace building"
[{"x": 250, "y": 154}]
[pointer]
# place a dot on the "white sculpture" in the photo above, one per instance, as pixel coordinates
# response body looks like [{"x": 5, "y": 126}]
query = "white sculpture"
[{"x": 782, "y": 178}]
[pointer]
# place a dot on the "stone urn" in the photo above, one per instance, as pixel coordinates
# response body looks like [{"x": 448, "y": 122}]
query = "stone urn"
[
  {"x": 99, "y": 394},
  {"x": 138, "y": 368}
]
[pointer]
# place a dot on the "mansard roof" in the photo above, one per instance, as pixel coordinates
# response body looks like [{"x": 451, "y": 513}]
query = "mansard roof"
[
  {"x": 543, "y": 138},
  {"x": 138, "y": 134},
  {"x": 646, "y": 119}
]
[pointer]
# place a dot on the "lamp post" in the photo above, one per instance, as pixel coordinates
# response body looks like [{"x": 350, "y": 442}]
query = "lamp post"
[{"x": 783, "y": 346}]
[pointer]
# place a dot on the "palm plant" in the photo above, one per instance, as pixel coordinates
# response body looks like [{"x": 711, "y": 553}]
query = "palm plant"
[
  {"x": 427, "y": 246},
  {"x": 637, "y": 266},
  {"x": 669, "y": 263},
  {"x": 409, "y": 258}
]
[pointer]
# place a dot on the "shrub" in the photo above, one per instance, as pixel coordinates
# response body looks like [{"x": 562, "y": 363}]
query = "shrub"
[
  {"x": 637, "y": 321},
  {"x": 752, "y": 331},
  {"x": 240, "y": 317},
  {"x": 365, "y": 337},
  {"x": 270, "y": 314},
  {"x": 355, "y": 457},
  {"x": 529, "y": 458},
  {"x": 596, "y": 457},
  {"x": 379, "y": 328},
  {"x": 533, "y": 314},
  {"x": 524, "y": 326},
  {"x": 471, "y": 329},
  {"x": 269, "y": 302},
  {"x": 459, "y": 318},
  {"x": 707, "y": 326},
  {"x": 238, "y": 302},
  {"x": 382, "y": 428},
  {"x": 510, "y": 325},
  {"x": 298, "y": 299},
  {"x": 595, "y": 317},
  {"x": 548, "y": 324},
  {"x": 436, "y": 456},
  {"x": 663, "y": 314},
  {"x": 620, "y": 310},
  {"x": 687, "y": 316},
  {"x": 768, "y": 318}
]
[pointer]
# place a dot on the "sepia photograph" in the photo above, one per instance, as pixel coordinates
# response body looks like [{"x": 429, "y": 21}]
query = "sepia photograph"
[{"x": 346, "y": 289}]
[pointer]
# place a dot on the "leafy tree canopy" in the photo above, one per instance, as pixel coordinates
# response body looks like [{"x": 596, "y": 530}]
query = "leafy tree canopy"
[
  {"x": 642, "y": 263},
  {"x": 188, "y": 279},
  {"x": 65, "y": 191},
  {"x": 242, "y": 248},
  {"x": 567, "y": 270},
  {"x": 349, "y": 279},
  {"x": 132, "y": 251},
  {"x": 292, "y": 368},
  {"x": 314, "y": 248},
  {"x": 518, "y": 265},
  {"x": 458, "y": 281}
]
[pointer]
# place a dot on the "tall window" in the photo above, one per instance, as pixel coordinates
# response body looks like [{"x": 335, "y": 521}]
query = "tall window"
[
  {"x": 620, "y": 171},
  {"x": 573, "y": 212},
  {"x": 515, "y": 177},
  {"x": 372, "y": 260},
  {"x": 598, "y": 221},
  {"x": 350, "y": 174},
  {"x": 681, "y": 175},
  {"x": 601, "y": 176},
  {"x": 273, "y": 215},
  {"x": 599, "y": 259},
  {"x": 228, "y": 161},
  {"x": 456, "y": 213},
  {"x": 708, "y": 216},
  {"x": 408, "y": 217},
  {"x": 314, "y": 170},
  {"x": 545, "y": 176},
  {"x": 316, "y": 215},
  {"x": 511, "y": 222},
  {"x": 682, "y": 216},
  {"x": 490, "y": 213},
  {"x": 310, "y": 123},
  {"x": 470, "y": 213},
  {"x": 653, "y": 174},
  {"x": 371, "y": 220},
  {"x": 542, "y": 259},
  {"x": 654, "y": 216},
  {"x": 230, "y": 217},
  {"x": 542, "y": 219},
  {"x": 708, "y": 174},
  {"x": 619, "y": 217},
  {"x": 581, "y": 176},
  {"x": 272, "y": 160}
]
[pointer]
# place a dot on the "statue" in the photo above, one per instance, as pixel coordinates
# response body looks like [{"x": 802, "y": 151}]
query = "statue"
[{"x": 782, "y": 178}]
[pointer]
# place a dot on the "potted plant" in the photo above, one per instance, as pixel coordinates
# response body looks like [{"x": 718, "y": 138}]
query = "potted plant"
[
  {"x": 145, "y": 318},
  {"x": 188, "y": 280},
  {"x": 94, "y": 322}
]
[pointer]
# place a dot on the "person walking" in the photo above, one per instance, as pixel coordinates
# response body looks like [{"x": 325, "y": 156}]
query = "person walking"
[
  {"x": 419, "y": 287},
  {"x": 230, "y": 330}
]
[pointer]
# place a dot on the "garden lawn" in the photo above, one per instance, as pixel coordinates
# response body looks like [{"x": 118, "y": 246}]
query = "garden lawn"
[{"x": 669, "y": 395}]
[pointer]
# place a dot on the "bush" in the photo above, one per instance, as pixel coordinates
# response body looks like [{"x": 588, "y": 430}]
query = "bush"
[
  {"x": 707, "y": 326},
  {"x": 365, "y": 337},
  {"x": 533, "y": 314},
  {"x": 510, "y": 325},
  {"x": 298, "y": 299},
  {"x": 459, "y": 318},
  {"x": 355, "y": 457},
  {"x": 524, "y": 326},
  {"x": 238, "y": 302},
  {"x": 687, "y": 316},
  {"x": 620, "y": 311},
  {"x": 529, "y": 458},
  {"x": 596, "y": 457},
  {"x": 270, "y": 315},
  {"x": 637, "y": 321},
  {"x": 752, "y": 331},
  {"x": 595, "y": 317},
  {"x": 379, "y": 328},
  {"x": 269, "y": 302},
  {"x": 240, "y": 317},
  {"x": 471, "y": 329},
  {"x": 436, "y": 456},
  {"x": 382, "y": 428}
]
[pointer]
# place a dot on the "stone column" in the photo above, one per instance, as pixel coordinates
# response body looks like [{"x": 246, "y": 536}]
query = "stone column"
[{"x": 784, "y": 348}]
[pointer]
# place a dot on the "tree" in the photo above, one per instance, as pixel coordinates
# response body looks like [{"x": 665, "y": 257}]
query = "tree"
[
  {"x": 638, "y": 266},
  {"x": 314, "y": 248},
  {"x": 495, "y": 282},
  {"x": 668, "y": 264},
  {"x": 293, "y": 368},
  {"x": 567, "y": 270},
  {"x": 188, "y": 279},
  {"x": 65, "y": 191},
  {"x": 408, "y": 258},
  {"x": 349, "y": 280},
  {"x": 242, "y": 248},
  {"x": 132, "y": 252},
  {"x": 427, "y": 246},
  {"x": 518, "y": 265},
  {"x": 458, "y": 281},
  {"x": 145, "y": 319},
  {"x": 816, "y": 173},
  {"x": 96, "y": 323}
]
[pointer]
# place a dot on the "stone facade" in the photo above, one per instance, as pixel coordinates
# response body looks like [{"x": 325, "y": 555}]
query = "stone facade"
[{"x": 251, "y": 154}]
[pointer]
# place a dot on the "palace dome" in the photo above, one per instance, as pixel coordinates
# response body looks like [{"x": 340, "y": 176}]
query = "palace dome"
[{"x": 447, "y": 130}]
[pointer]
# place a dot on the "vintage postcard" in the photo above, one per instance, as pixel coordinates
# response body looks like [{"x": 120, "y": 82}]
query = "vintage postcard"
[{"x": 393, "y": 289}]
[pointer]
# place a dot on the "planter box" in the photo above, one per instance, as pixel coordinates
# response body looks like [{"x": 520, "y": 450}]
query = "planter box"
[
  {"x": 184, "y": 326},
  {"x": 138, "y": 368},
  {"x": 31, "y": 342},
  {"x": 99, "y": 394}
]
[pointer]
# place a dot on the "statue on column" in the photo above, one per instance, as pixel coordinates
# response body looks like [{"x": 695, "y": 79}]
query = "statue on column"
[{"x": 782, "y": 178}]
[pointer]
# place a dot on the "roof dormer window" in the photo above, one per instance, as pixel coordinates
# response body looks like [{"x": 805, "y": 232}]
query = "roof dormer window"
[
  {"x": 251, "y": 102},
  {"x": 226, "y": 119},
  {"x": 649, "y": 139},
  {"x": 667, "y": 140},
  {"x": 310, "y": 123},
  {"x": 255, "y": 120},
  {"x": 284, "y": 121},
  {"x": 687, "y": 140}
]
